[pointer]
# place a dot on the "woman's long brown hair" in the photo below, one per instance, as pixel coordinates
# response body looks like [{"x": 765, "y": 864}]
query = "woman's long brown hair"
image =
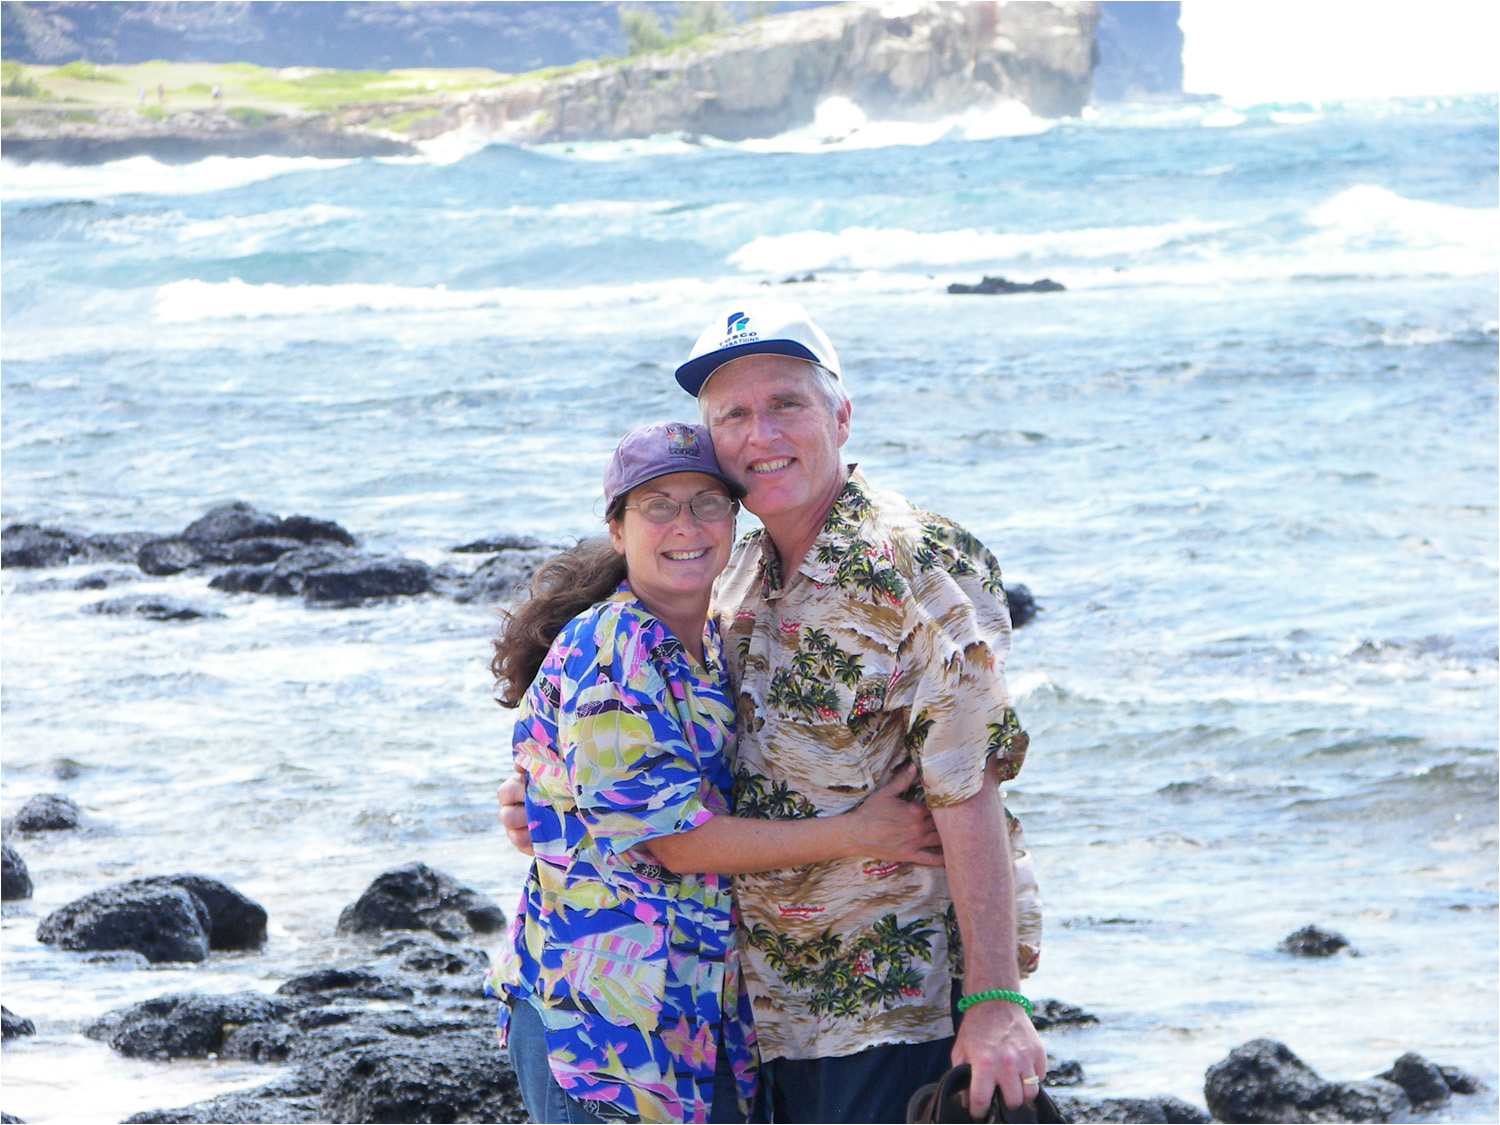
[{"x": 561, "y": 589}]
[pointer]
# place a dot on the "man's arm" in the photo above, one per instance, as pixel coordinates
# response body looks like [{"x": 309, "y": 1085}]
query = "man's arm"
[{"x": 995, "y": 1037}]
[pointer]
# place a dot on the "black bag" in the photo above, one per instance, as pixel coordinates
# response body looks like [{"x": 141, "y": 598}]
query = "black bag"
[{"x": 939, "y": 1102}]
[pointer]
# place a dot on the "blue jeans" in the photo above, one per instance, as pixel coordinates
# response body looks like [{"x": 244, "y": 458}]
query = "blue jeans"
[{"x": 546, "y": 1101}]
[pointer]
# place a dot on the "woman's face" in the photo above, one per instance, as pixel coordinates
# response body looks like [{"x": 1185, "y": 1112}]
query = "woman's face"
[{"x": 673, "y": 563}]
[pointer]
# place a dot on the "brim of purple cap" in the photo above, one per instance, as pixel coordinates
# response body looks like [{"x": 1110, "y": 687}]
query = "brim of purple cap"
[{"x": 695, "y": 372}]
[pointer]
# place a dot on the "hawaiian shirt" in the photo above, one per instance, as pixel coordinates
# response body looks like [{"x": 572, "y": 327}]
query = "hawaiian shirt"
[
  {"x": 888, "y": 645},
  {"x": 635, "y": 969}
]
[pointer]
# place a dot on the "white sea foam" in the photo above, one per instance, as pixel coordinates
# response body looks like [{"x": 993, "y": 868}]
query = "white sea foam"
[
  {"x": 886, "y": 248},
  {"x": 143, "y": 175},
  {"x": 1368, "y": 212},
  {"x": 1223, "y": 119},
  {"x": 841, "y": 125}
]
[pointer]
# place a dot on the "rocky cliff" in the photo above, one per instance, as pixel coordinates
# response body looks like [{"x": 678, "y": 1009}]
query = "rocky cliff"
[{"x": 902, "y": 61}]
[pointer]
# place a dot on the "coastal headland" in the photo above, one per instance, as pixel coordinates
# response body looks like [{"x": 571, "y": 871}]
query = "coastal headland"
[{"x": 908, "y": 61}]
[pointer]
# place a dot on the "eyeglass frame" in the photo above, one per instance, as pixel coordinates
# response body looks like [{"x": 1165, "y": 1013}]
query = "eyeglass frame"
[{"x": 734, "y": 506}]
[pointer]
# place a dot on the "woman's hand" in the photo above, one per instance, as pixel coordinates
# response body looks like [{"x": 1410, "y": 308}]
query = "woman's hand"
[
  {"x": 889, "y": 827},
  {"x": 512, "y": 797}
]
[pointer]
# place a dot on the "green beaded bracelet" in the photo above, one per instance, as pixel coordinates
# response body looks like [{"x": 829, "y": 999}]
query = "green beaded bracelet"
[{"x": 995, "y": 994}]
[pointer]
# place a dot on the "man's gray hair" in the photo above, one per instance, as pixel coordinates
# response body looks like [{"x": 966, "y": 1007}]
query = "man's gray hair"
[{"x": 829, "y": 385}]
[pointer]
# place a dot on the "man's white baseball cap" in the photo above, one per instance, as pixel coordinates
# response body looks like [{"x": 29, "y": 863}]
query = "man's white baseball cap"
[{"x": 756, "y": 328}]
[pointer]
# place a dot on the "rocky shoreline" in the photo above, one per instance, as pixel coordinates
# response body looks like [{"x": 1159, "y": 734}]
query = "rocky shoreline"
[
  {"x": 917, "y": 61},
  {"x": 244, "y": 550},
  {"x": 406, "y": 1034}
]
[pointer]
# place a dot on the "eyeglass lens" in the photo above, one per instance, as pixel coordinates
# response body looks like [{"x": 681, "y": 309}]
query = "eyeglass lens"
[{"x": 709, "y": 507}]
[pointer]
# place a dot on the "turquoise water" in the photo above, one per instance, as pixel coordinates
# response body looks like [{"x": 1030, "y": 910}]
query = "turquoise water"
[{"x": 1246, "y": 463}]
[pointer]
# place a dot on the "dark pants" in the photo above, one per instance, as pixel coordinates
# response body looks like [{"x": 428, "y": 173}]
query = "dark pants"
[{"x": 873, "y": 1085}]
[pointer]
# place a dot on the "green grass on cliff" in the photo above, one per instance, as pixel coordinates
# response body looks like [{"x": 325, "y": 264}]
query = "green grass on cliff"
[{"x": 159, "y": 87}]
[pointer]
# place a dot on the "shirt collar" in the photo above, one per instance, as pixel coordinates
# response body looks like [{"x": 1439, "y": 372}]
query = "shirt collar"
[{"x": 839, "y": 536}]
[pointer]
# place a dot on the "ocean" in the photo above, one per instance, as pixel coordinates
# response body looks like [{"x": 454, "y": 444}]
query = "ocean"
[{"x": 1245, "y": 461}]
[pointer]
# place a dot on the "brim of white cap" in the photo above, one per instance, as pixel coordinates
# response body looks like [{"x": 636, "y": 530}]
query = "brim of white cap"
[{"x": 695, "y": 372}]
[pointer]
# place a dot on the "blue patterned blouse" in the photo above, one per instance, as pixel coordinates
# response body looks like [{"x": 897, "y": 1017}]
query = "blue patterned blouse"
[{"x": 636, "y": 970}]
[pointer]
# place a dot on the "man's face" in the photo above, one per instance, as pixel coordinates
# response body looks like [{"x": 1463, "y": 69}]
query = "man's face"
[{"x": 774, "y": 433}]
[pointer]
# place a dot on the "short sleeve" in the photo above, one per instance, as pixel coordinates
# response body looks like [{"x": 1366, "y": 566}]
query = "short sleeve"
[
  {"x": 960, "y": 713},
  {"x": 634, "y": 774}
]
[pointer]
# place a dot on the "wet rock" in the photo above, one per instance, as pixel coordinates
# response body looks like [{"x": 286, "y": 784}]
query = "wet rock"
[
  {"x": 152, "y": 608},
  {"x": 99, "y": 580},
  {"x": 455, "y": 1077},
  {"x": 1063, "y": 1072},
  {"x": 1002, "y": 285},
  {"x": 190, "y": 1026},
  {"x": 1311, "y": 941},
  {"x": 495, "y": 579},
  {"x": 499, "y": 543},
  {"x": 6, "y": 1117},
  {"x": 121, "y": 546},
  {"x": 30, "y": 545},
  {"x": 416, "y": 954},
  {"x": 1022, "y": 605},
  {"x": 1054, "y": 1013},
  {"x": 235, "y": 520},
  {"x": 66, "y": 769},
  {"x": 330, "y": 576},
  {"x": 327, "y": 985},
  {"x": 1264, "y": 1081},
  {"x": 1423, "y": 1081},
  {"x": 237, "y": 534},
  {"x": 16, "y": 880},
  {"x": 291, "y": 1099},
  {"x": 12, "y": 1025},
  {"x": 160, "y": 922},
  {"x": 1163, "y": 1109},
  {"x": 1460, "y": 1082},
  {"x": 416, "y": 897},
  {"x": 48, "y": 812},
  {"x": 234, "y": 921}
]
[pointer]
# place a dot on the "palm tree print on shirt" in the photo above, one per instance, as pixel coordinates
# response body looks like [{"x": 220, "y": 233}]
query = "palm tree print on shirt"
[{"x": 843, "y": 974}]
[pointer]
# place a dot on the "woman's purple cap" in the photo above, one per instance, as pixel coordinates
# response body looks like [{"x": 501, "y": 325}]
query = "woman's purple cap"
[{"x": 659, "y": 450}]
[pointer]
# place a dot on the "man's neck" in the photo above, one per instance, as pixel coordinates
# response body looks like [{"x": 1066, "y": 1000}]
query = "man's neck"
[{"x": 794, "y": 536}]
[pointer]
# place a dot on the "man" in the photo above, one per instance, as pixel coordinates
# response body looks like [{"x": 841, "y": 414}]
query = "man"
[{"x": 862, "y": 633}]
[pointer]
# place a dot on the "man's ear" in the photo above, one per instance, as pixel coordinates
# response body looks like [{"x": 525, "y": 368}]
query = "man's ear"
[{"x": 846, "y": 411}]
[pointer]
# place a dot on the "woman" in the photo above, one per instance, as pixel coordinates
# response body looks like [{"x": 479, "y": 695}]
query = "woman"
[{"x": 623, "y": 997}]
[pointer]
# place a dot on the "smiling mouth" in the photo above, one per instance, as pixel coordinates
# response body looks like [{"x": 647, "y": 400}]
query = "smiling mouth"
[
  {"x": 685, "y": 556},
  {"x": 771, "y": 466}
]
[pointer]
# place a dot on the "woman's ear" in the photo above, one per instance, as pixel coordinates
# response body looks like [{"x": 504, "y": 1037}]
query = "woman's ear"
[{"x": 617, "y": 533}]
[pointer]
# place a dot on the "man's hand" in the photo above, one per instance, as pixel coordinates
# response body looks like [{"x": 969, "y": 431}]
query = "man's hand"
[
  {"x": 998, "y": 1042},
  {"x": 513, "y": 818}
]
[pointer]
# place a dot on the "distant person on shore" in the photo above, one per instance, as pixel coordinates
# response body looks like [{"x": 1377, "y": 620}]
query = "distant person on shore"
[
  {"x": 218, "y": 94},
  {"x": 161, "y": 93},
  {"x": 864, "y": 635},
  {"x": 143, "y": 97},
  {"x": 623, "y": 992}
]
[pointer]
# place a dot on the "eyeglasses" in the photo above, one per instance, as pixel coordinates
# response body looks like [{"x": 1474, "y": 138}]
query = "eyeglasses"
[{"x": 709, "y": 507}]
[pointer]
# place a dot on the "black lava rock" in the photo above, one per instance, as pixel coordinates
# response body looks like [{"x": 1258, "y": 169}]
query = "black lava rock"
[
  {"x": 1423, "y": 1081},
  {"x": 1310, "y": 941},
  {"x": 234, "y": 921},
  {"x": 30, "y": 545},
  {"x": 12, "y": 1025},
  {"x": 16, "y": 881},
  {"x": 1001, "y": 285},
  {"x": 1054, "y": 1013},
  {"x": 188, "y": 1026},
  {"x": 1022, "y": 605},
  {"x": 330, "y": 576},
  {"x": 496, "y": 578},
  {"x": 454, "y": 1077},
  {"x": 499, "y": 543},
  {"x": 48, "y": 812},
  {"x": 1460, "y": 1082},
  {"x": 235, "y": 520},
  {"x": 1263, "y": 1081},
  {"x": 160, "y": 922},
  {"x": 291, "y": 1099},
  {"x": 416, "y": 897},
  {"x": 419, "y": 954},
  {"x": 326, "y": 985},
  {"x": 236, "y": 533},
  {"x": 1163, "y": 1109},
  {"x": 152, "y": 608}
]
